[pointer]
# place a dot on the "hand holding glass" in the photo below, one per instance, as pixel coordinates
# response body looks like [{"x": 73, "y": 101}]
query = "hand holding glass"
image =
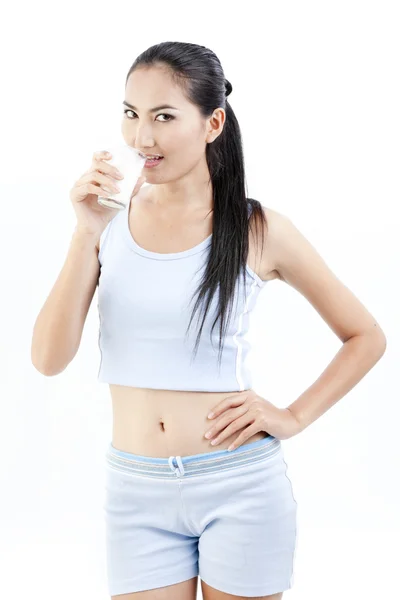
[{"x": 129, "y": 162}]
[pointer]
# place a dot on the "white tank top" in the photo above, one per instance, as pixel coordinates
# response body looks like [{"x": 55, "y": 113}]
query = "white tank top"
[{"x": 144, "y": 312}]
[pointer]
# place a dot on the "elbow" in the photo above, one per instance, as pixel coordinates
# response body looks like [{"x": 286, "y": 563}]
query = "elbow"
[
  {"x": 46, "y": 367},
  {"x": 384, "y": 344},
  {"x": 50, "y": 358},
  {"x": 48, "y": 372},
  {"x": 378, "y": 342},
  {"x": 381, "y": 341}
]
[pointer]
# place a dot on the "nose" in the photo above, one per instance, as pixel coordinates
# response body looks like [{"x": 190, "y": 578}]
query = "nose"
[{"x": 144, "y": 136}]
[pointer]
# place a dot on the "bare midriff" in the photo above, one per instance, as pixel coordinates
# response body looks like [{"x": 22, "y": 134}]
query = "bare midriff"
[{"x": 163, "y": 423}]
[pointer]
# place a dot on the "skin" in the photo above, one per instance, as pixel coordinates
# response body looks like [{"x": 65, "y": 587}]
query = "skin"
[
  {"x": 171, "y": 214},
  {"x": 182, "y": 183}
]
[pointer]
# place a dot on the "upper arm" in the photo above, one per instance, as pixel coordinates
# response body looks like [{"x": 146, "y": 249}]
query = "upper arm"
[{"x": 300, "y": 265}]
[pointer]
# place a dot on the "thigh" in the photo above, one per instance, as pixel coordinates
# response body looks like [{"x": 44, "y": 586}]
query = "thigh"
[
  {"x": 186, "y": 590},
  {"x": 248, "y": 544},
  {"x": 210, "y": 593}
]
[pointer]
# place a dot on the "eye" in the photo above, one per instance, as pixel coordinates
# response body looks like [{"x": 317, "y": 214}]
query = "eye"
[{"x": 170, "y": 117}]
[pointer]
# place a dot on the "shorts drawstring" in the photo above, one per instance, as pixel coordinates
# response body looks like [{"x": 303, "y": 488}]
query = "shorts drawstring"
[{"x": 179, "y": 470}]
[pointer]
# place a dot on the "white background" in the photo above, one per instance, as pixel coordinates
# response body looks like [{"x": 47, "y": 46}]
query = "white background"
[{"x": 316, "y": 93}]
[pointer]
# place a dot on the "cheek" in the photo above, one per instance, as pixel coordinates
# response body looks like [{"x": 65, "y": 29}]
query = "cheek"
[{"x": 190, "y": 145}]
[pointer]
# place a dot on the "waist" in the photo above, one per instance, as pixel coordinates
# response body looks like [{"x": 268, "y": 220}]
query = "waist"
[{"x": 161, "y": 423}]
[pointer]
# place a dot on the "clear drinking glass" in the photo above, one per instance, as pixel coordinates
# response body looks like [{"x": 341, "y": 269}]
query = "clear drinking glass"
[{"x": 127, "y": 160}]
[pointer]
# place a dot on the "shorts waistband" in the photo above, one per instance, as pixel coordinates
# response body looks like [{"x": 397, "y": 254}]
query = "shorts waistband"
[{"x": 193, "y": 464}]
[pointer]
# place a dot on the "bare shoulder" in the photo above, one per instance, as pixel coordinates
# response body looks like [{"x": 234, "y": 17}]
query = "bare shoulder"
[
  {"x": 291, "y": 253},
  {"x": 299, "y": 264},
  {"x": 289, "y": 249}
]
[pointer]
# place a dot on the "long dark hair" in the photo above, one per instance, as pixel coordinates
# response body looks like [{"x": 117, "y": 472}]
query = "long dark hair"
[{"x": 198, "y": 71}]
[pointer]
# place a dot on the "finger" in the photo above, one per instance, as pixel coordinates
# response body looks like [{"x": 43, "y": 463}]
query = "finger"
[
  {"x": 104, "y": 181},
  {"x": 245, "y": 435},
  {"x": 236, "y": 400},
  {"x": 102, "y": 155},
  {"x": 99, "y": 158},
  {"x": 99, "y": 164},
  {"x": 91, "y": 188},
  {"x": 231, "y": 429},
  {"x": 103, "y": 167},
  {"x": 225, "y": 420}
]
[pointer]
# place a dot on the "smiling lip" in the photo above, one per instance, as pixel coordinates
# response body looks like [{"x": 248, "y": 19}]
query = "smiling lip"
[
  {"x": 153, "y": 163},
  {"x": 148, "y": 156}
]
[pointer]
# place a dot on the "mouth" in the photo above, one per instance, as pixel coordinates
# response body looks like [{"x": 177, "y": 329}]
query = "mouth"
[
  {"x": 150, "y": 156},
  {"x": 153, "y": 162}
]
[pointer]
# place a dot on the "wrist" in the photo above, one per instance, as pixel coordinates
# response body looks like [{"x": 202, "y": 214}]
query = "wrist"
[
  {"x": 298, "y": 419},
  {"x": 85, "y": 236}
]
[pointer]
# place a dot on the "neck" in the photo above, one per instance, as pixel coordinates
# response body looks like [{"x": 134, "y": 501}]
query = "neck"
[{"x": 191, "y": 192}]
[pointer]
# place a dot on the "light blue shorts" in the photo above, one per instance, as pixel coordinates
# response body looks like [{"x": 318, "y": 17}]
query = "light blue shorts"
[{"x": 227, "y": 516}]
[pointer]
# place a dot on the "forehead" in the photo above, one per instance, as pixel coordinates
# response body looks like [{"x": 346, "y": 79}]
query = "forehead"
[{"x": 153, "y": 86}]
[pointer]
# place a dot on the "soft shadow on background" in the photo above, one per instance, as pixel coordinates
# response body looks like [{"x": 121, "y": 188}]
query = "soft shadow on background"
[{"x": 316, "y": 93}]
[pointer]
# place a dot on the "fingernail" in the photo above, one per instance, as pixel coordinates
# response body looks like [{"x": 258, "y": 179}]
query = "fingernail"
[{"x": 210, "y": 415}]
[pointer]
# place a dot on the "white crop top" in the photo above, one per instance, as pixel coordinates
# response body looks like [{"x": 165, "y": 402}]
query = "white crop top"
[{"x": 143, "y": 310}]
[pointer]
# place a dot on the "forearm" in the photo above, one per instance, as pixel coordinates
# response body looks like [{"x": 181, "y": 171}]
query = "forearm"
[{"x": 352, "y": 362}]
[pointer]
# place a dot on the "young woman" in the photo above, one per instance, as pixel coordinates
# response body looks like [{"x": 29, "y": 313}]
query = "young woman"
[{"x": 192, "y": 245}]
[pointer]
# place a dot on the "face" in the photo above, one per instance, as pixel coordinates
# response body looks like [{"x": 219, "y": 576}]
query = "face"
[{"x": 179, "y": 134}]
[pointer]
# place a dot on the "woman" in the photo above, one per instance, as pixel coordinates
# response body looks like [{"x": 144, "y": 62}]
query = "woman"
[{"x": 178, "y": 504}]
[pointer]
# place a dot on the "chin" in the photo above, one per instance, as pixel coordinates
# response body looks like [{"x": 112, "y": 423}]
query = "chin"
[
  {"x": 153, "y": 177},
  {"x": 157, "y": 177}
]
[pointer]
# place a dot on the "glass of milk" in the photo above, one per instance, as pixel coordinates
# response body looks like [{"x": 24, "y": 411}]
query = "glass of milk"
[{"x": 127, "y": 160}]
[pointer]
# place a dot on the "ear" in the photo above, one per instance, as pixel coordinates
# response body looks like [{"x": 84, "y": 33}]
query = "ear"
[{"x": 215, "y": 124}]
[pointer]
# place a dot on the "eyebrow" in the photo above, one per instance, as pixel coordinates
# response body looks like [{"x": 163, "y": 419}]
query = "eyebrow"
[{"x": 155, "y": 109}]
